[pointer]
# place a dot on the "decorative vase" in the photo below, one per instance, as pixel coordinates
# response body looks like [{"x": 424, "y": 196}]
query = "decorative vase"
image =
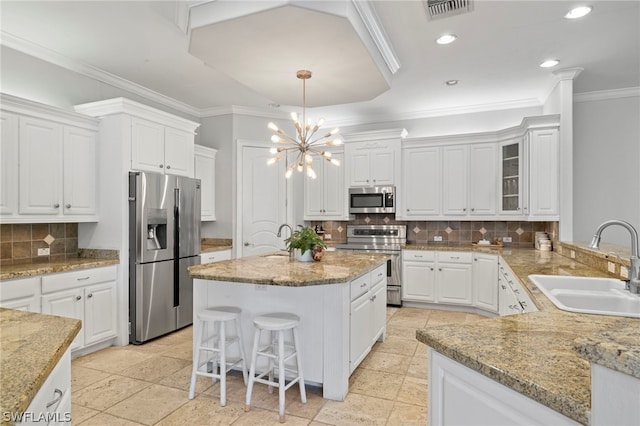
[
  {"x": 318, "y": 252},
  {"x": 307, "y": 256}
]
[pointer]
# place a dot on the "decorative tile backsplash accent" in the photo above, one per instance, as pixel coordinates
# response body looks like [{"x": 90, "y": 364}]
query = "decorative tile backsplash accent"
[
  {"x": 452, "y": 232},
  {"x": 19, "y": 243}
]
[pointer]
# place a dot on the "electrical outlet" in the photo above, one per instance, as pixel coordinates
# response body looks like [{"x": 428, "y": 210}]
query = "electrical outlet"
[
  {"x": 437, "y": 238},
  {"x": 611, "y": 267},
  {"x": 327, "y": 236},
  {"x": 572, "y": 253},
  {"x": 624, "y": 272},
  {"x": 44, "y": 251},
  {"x": 507, "y": 240}
]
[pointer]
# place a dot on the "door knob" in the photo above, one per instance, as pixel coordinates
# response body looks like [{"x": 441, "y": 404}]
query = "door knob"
[
  {"x": 161, "y": 165},
  {"x": 168, "y": 167},
  {"x": 68, "y": 206},
  {"x": 56, "y": 205}
]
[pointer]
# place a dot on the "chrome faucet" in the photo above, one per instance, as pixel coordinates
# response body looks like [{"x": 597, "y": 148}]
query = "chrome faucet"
[
  {"x": 633, "y": 285},
  {"x": 279, "y": 234}
]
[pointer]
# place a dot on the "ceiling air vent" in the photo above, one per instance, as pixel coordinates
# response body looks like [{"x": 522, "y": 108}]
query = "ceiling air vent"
[{"x": 437, "y": 9}]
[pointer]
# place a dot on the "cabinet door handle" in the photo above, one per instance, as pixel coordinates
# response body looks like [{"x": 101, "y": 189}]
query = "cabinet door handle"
[
  {"x": 472, "y": 209},
  {"x": 83, "y": 279},
  {"x": 247, "y": 243},
  {"x": 418, "y": 255},
  {"x": 56, "y": 206},
  {"x": 363, "y": 285},
  {"x": 439, "y": 269},
  {"x": 464, "y": 209},
  {"x": 379, "y": 274},
  {"x": 168, "y": 167},
  {"x": 432, "y": 269},
  {"x": 78, "y": 297},
  {"x": 373, "y": 297},
  {"x": 68, "y": 206},
  {"x": 89, "y": 296},
  {"x": 56, "y": 400},
  {"x": 455, "y": 257},
  {"x": 161, "y": 165}
]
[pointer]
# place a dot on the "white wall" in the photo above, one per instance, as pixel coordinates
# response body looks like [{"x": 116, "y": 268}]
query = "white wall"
[{"x": 606, "y": 167}]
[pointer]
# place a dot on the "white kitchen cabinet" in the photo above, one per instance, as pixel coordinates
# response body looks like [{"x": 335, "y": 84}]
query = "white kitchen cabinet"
[
  {"x": 21, "y": 294},
  {"x": 371, "y": 163},
  {"x": 205, "y": 170},
  {"x": 420, "y": 197},
  {"x": 215, "y": 256},
  {"x": 40, "y": 180},
  {"x": 614, "y": 397},
  {"x": 79, "y": 174},
  {"x": 455, "y": 176},
  {"x": 483, "y": 178},
  {"x": 418, "y": 276},
  {"x": 53, "y": 399},
  {"x": 367, "y": 314},
  {"x": 49, "y": 164},
  {"x": 453, "y": 385},
  {"x": 485, "y": 278},
  {"x": 88, "y": 295},
  {"x": 373, "y": 158},
  {"x": 161, "y": 149},
  {"x": 453, "y": 278},
  {"x": 9, "y": 124},
  {"x": 325, "y": 196},
  {"x": 544, "y": 173},
  {"x": 469, "y": 180}
]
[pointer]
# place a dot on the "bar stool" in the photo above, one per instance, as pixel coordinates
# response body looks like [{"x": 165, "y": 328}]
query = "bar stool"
[
  {"x": 278, "y": 353},
  {"x": 218, "y": 316}
]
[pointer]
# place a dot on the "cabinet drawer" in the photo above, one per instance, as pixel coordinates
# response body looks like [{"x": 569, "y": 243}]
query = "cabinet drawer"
[
  {"x": 68, "y": 280},
  {"x": 215, "y": 256},
  {"x": 455, "y": 257},
  {"x": 419, "y": 255},
  {"x": 360, "y": 286},
  {"x": 51, "y": 396},
  {"x": 379, "y": 275},
  {"x": 15, "y": 289}
]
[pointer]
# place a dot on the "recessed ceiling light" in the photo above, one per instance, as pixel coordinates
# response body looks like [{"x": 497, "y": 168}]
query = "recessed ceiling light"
[
  {"x": 578, "y": 12},
  {"x": 446, "y": 39},
  {"x": 451, "y": 82},
  {"x": 549, "y": 63}
]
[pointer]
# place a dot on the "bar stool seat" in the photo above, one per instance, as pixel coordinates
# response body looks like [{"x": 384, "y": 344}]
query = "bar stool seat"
[
  {"x": 216, "y": 345},
  {"x": 278, "y": 353}
]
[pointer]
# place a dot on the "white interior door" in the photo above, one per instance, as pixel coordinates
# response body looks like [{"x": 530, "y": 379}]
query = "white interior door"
[{"x": 263, "y": 208}]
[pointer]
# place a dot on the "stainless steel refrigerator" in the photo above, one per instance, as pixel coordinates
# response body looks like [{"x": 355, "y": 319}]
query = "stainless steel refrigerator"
[{"x": 164, "y": 240}]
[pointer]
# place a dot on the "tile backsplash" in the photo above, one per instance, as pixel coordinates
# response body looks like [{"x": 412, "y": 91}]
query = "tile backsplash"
[
  {"x": 452, "y": 232},
  {"x": 19, "y": 243}
]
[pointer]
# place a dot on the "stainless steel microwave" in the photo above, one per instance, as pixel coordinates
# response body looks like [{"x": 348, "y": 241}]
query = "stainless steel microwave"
[{"x": 372, "y": 199}]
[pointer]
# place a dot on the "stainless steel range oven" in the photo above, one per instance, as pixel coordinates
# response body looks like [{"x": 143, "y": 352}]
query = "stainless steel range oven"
[{"x": 387, "y": 239}]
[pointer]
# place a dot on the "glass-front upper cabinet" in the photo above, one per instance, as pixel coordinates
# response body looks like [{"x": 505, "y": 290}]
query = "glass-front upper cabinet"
[{"x": 511, "y": 182}]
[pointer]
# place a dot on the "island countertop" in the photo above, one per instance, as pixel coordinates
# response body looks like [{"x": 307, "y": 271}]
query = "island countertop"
[
  {"x": 31, "y": 346},
  {"x": 277, "y": 269},
  {"x": 541, "y": 354}
]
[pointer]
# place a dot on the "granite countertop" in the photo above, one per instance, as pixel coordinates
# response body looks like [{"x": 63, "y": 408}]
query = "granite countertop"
[
  {"x": 31, "y": 345},
  {"x": 277, "y": 269},
  {"x": 33, "y": 269},
  {"x": 543, "y": 355}
]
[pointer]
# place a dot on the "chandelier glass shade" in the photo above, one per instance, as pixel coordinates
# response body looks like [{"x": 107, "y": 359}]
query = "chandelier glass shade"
[{"x": 307, "y": 142}]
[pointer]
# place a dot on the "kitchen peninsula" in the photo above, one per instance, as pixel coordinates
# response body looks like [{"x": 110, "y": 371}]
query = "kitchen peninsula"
[{"x": 341, "y": 302}]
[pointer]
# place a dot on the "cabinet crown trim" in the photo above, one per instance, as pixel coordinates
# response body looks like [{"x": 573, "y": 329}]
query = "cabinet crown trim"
[
  {"x": 28, "y": 108},
  {"x": 375, "y": 135},
  {"x": 527, "y": 124},
  {"x": 136, "y": 109}
]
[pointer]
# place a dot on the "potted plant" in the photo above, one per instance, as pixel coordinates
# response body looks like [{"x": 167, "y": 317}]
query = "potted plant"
[{"x": 305, "y": 240}]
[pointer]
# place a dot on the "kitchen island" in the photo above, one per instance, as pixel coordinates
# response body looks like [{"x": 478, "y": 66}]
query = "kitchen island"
[
  {"x": 341, "y": 302},
  {"x": 539, "y": 355}
]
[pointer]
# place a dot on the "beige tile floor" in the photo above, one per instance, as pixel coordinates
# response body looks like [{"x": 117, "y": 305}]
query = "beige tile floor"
[{"x": 148, "y": 384}]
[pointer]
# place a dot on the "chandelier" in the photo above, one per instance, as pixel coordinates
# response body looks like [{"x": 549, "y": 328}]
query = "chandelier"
[{"x": 306, "y": 144}]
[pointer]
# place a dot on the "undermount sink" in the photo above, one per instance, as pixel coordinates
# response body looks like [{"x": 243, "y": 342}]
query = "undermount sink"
[{"x": 589, "y": 295}]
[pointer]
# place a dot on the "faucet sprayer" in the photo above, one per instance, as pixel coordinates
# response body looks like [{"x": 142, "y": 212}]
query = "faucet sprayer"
[{"x": 633, "y": 285}]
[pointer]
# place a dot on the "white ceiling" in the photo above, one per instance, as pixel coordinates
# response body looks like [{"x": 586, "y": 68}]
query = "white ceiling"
[{"x": 496, "y": 56}]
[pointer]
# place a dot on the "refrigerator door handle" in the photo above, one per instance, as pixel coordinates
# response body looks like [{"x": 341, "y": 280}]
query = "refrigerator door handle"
[{"x": 176, "y": 249}]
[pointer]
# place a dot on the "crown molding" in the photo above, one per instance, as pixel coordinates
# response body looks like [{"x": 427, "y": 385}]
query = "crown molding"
[
  {"x": 438, "y": 112},
  {"x": 242, "y": 110},
  {"x": 63, "y": 61},
  {"x": 607, "y": 94},
  {"x": 376, "y": 31}
]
